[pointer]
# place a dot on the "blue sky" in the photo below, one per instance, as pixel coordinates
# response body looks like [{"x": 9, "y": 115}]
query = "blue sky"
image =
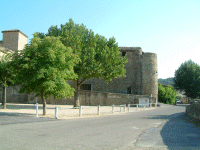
[{"x": 169, "y": 28}]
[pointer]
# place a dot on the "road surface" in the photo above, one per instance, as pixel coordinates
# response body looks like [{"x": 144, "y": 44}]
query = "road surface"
[{"x": 162, "y": 128}]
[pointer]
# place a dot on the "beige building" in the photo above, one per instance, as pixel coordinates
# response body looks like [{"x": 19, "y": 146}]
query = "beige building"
[
  {"x": 12, "y": 40},
  {"x": 141, "y": 70}
]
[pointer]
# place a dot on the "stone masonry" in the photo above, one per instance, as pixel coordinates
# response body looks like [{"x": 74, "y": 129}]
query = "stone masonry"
[{"x": 141, "y": 75}]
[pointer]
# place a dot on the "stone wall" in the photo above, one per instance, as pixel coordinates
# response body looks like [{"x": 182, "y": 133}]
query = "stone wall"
[
  {"x": 120, "y": 85},
  {"x": 12, "y": 95},
  {"x": 91, "y": 98},
  {"x": 10, "y": 40},
  {"x": 193, "y": 110},
  {"x": 88, "y": 98},
  {"x": 141, "y": 75}
]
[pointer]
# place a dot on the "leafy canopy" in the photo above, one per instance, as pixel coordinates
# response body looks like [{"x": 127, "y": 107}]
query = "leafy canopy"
[
  {"x": 187, "y": 79},
  {"x": 7, "y": 77},
  {"x": 96, "y": 56},
  {"x": 45, "y": 66},
  {"x": 166, "y": 94}
]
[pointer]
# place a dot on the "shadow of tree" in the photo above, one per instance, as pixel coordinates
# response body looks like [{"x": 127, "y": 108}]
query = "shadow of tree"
[{"x": 179, "y": 132}]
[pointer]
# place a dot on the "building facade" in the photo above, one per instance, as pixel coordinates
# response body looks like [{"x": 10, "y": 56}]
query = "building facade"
[{"x": 141, "y": 75}]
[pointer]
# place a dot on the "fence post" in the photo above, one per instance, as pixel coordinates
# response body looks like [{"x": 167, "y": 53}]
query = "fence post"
[
  {"x": 137, "y": 107},
  {"x": 56, "y": 112},
  {"x": 128, "y": 107},
  {"x": 124, "y": 107},
  {"x": 36, "y": 110},
  {"x": 112, "y": 108},
  {"x": 80, "y": 111},
  {"x": 98, "y": 109}
]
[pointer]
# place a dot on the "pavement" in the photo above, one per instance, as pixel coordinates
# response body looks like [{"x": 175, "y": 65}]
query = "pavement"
[{"x": 163, "y": 128}]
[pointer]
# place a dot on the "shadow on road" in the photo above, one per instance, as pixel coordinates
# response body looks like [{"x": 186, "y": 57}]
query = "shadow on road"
[
  {"x": 180, "y": 131},
  {"x": 15, "y": 114}
]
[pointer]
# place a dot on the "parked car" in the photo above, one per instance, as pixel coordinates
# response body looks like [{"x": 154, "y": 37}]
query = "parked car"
[
  {"x": 194, "y": 101},
  {"x": 158, "y": 105},
  {"x": 178, "y": 102}
]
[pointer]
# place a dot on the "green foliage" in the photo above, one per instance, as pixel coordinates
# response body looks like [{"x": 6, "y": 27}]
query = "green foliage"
[
  {"x": 166, "y": 94},
  {"x": 167, "y": 81},
  {"x": 187, "y": 79},
  {"x": 44, "y": 67},
  {"x": 7, "y": 77},
  {"x": 96, "y": 56}
]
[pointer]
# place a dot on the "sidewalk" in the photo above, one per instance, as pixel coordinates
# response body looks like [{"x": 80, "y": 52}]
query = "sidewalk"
[{"x": 65, "y": 111}]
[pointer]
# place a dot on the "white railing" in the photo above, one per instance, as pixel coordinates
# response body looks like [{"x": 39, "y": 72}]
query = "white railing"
[
  {"x": 99, "y": 111},
  {"x": 138, "y": 107},
  {"x": 114, "y": 107},
  {"x": 70, "y": 111}
]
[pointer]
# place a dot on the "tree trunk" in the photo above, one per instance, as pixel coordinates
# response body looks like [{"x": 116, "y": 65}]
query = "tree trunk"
[
  {"x": 44, "y": 103},
  {"x": 4, "y": 96},
  {"x": 76, "y": 94}
]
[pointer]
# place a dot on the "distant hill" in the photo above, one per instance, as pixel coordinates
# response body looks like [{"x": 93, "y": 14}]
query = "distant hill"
[{"x": 166, "y": 81}]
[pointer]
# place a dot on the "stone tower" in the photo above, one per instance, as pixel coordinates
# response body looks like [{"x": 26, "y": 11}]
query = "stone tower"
[
  {"x": 141, "y": 75},
  {"x": 149, "y": 74},
  {"x": 14, "y": 39}
]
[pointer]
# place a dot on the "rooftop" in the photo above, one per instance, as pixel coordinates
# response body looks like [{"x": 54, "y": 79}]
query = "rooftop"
[
  {"x": 130, "y": 48},
  {"x": 15, "y": 30}
]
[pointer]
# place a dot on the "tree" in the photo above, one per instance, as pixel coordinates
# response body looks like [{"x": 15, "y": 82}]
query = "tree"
[
  {"x": 167, "y": 81},
  {"x": 44, "y": 67},
  {"x": 187, "y": 79},
  {"x": 97, "y": 56},
  {"x": 166, "y": 94},
  {"x": 7, "y": 75}
]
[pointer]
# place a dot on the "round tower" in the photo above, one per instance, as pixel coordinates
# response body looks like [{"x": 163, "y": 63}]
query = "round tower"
[{"x": 149, "y": 74}]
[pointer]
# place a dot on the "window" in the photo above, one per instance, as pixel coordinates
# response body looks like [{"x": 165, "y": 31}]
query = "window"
[
  {"x": 86, "y": 87},
  {"x": 129, "y": 90},
  {"x": 123, "y": 53}
]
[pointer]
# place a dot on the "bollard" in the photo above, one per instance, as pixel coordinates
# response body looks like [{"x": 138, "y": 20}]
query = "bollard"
[
  {"x": 120, "y": 108},
  {"x": 137, "y": 107},
  {"x": 150, "y": 105},
  {"x": 124, "y": 107},
  {"x": 80, "y": 111},
  {"x": 112, "y": 108},
  {"x": 98, "y": 109},
  {"x": 128, "y": 107},
  {"x": 144, "y": 106},
  {"x": 56, "y": 112},
  {"x": 36, "y": 110}
]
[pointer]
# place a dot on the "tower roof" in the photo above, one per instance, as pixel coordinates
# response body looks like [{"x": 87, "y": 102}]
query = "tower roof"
[
  {"x": 15, "y": 30},
  {"x": 130, "y": 48}
]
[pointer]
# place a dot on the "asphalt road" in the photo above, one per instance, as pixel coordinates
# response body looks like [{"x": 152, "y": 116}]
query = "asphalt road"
[{"x": 162, "y": 128}]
